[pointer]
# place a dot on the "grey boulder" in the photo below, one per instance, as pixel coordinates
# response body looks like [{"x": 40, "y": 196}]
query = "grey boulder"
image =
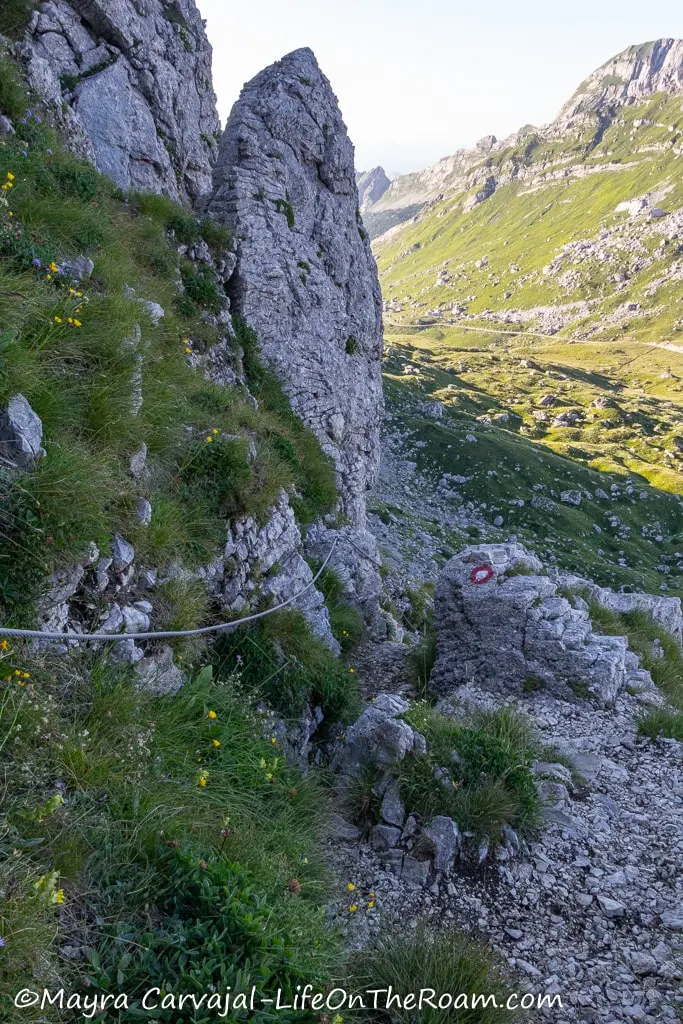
[{"x": 21, "y": 433}]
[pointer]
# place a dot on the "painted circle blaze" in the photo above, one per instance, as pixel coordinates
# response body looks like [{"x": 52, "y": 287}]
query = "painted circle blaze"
[{"x": 481, "y": 574}]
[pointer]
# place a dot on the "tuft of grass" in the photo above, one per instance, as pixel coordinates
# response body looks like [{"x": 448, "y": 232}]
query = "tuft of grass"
[
  {"x": 42, "y": 527},
  {"x": 476, "y": 770},
  {"x": 284, "y": 663},
  {"x": 345, "y": 620},
  {"x": 13, "y": 95},
  {"x": 359, "y": 800},
  {"x": 661, "y": 722},
  {"x": 532, "y": 684},
  {"x": 448, "y": 961},
  {"x": 14, "y": 19},
  {"x": 421, "y": 659}
]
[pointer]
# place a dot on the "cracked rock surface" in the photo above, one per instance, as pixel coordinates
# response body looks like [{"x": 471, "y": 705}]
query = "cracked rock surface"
[
  {"x": 131, "y": 84},
  {"x": 306, "y": 281}
]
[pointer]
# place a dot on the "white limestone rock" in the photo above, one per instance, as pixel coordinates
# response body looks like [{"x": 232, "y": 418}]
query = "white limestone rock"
[
  {"x": 131, "y": 83},
  {"x": 306, "y": 280}
]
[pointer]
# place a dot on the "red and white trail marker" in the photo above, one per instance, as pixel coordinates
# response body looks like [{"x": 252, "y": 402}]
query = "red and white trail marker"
[{"x": 481, "y": 574}]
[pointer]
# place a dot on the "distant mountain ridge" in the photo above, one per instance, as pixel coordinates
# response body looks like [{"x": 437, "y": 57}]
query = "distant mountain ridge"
[
  {"x": 632, "y": 76},
  {"x": 371, "y": 186}
]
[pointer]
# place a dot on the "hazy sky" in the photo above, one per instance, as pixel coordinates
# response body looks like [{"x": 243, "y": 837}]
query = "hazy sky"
[{"x": 416, "y": 79}]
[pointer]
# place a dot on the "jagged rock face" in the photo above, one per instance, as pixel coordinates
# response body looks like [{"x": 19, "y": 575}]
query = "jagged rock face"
[
  {"x": 306, "y": 280},
  {"x": 634, "y": 74},
  {"x": 136, "y": 77},
  {"x": 502, "y": 625},
  {"x": 371, "y": 186}
]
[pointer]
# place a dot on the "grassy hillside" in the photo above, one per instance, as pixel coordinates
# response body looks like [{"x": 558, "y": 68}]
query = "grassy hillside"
[
  {"x": 150, "y": 840},
  {"x": 551, "y": 326},
  {"x": 126, "y": 819},
  {"x": 564, "y": 191}
]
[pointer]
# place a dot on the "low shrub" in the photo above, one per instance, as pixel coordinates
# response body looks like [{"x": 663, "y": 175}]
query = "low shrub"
[{"x": 200, "y": 288}]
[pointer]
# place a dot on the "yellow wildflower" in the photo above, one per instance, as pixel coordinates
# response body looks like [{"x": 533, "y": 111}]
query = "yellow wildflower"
[
  {"x": 212, "y": 715},
  {"x": 353, "y": 908},
  {"x": 351, "y": 887},
  {"x": 352, "y": 670},
  {"x": 216, "y": 743},
  {"x": 4, "y": 646},
  {"x": 215, "y": 431},
  {"x": 10, "y": 176},
  {"x": 188, "y": 350},
  {"x": 273, "y": 739},
  {"x": 371, "y": 904},
  {"x": 57, "y": 319},
  {"x": 209, "y": 439},
  {"x": 77, "y": 323},
  {"x": 59, "y": 896}
]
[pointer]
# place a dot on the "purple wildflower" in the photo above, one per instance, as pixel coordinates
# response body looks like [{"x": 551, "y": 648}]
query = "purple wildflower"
[
  {"x": 2, "y": 942},
  {"x": 22, "y": 120},
  {"x": 37, "y": 119},
  {"x": 36, "y": 262},
  {"x": 49, "y": 152}
]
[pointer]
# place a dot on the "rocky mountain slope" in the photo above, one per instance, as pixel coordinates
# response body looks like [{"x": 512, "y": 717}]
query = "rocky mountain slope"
[
  {"x": 632, "y": 78},
  {"x": 190, "y": 415}
]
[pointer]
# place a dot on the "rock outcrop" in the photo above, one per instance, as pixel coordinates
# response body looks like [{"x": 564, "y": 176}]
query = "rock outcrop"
[
  {"x": 629, "y": 77},
  {"x": 503, "y": 625},
  {"x": 371, "y": 186},
  {"x": 130, "y": 83},
  {"x": 306, "y": 280}
]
